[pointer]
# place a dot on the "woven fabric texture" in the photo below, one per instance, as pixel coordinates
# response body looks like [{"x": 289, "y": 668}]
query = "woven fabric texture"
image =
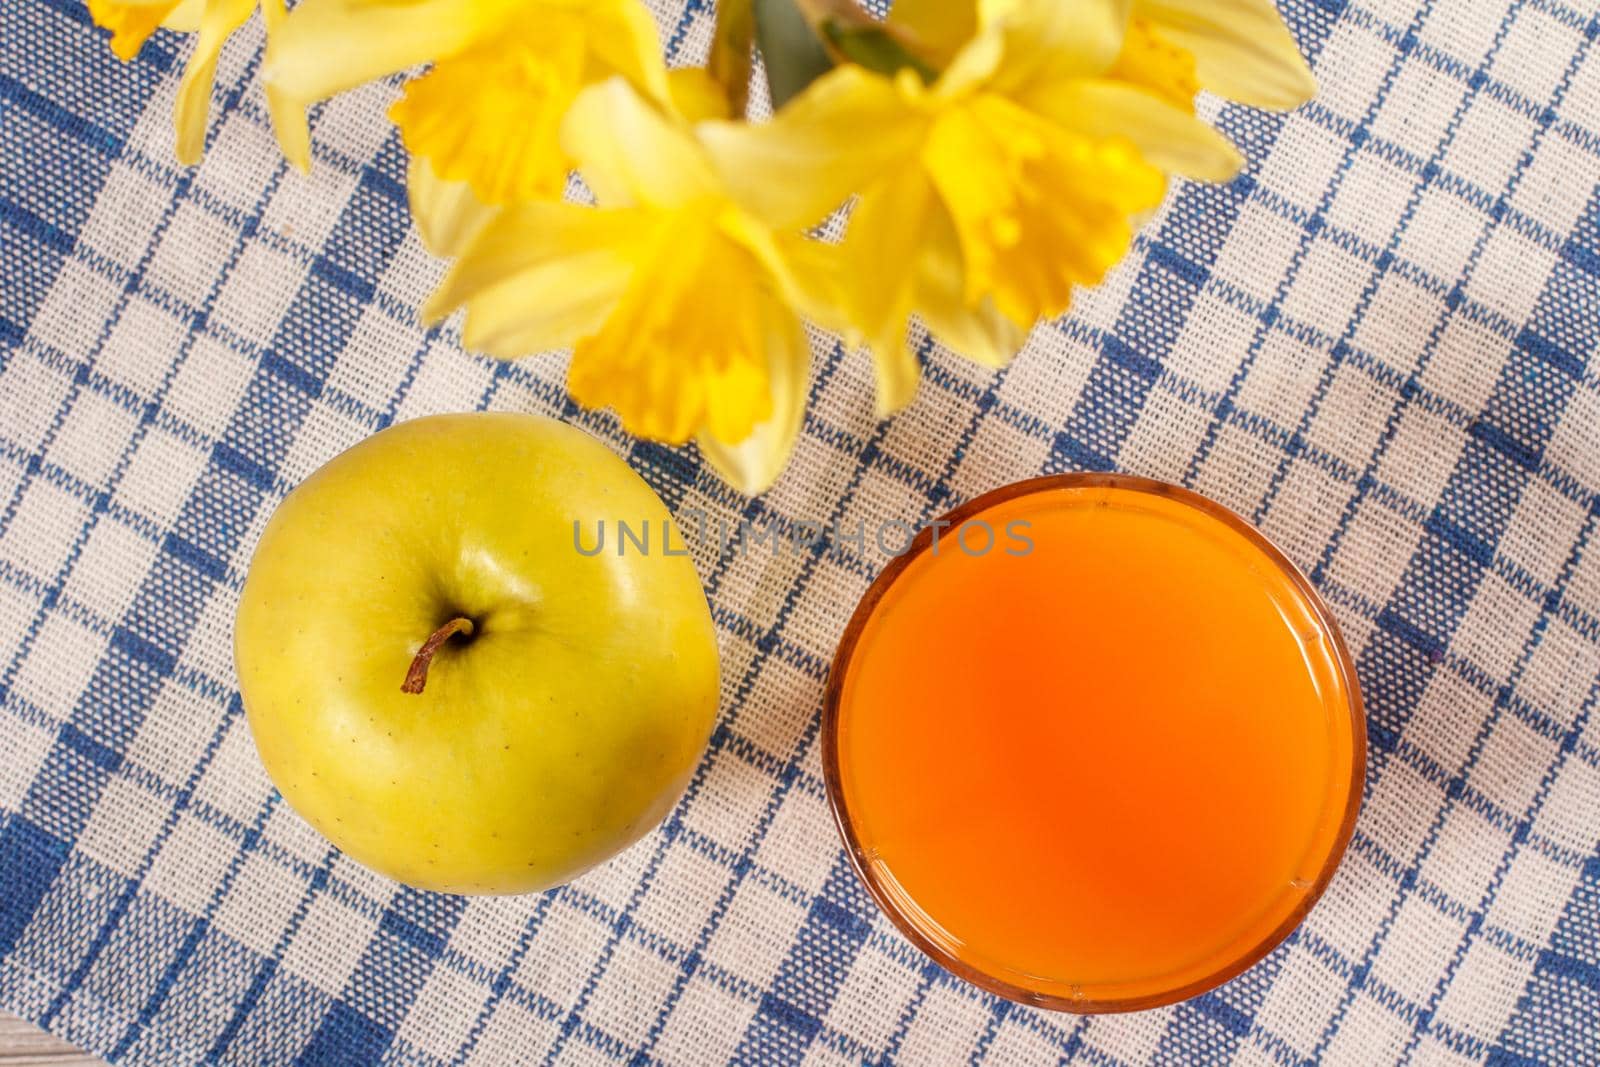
[{"x": 1378, "y": 344}]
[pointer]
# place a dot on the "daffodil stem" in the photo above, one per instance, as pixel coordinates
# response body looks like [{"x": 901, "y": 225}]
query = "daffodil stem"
[{"x": 417, "y": 675}]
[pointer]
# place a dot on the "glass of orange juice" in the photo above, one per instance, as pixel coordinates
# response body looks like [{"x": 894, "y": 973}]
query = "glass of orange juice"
[{"x": 1093, "y": 743}]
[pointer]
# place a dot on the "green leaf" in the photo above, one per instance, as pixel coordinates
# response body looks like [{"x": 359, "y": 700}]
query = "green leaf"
[
  {"x": 794, "y": 54},
  {"x": 731, "y": 60}
]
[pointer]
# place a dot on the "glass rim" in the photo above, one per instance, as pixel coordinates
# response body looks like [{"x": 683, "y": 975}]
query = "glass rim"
[{"x": 832, "y": 778}]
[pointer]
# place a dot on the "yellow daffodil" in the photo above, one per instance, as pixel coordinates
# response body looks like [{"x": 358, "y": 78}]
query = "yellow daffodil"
[
  {"x": 131, "y": 23},
  {"x": 1016, "y": 175},
  {"x": 504, "y": 73},
  {"x": 678, "y": 303}
]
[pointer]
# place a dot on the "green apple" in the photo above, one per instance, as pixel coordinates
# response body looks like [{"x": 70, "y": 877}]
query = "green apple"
[{"x": 444, "y": 685}]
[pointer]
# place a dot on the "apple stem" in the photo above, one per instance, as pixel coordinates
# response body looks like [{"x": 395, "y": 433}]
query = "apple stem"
[{"x": 417, "y": 676}]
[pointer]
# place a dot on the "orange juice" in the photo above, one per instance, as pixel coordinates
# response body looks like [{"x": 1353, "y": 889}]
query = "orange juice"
[{"x": 1105, "y": 769}]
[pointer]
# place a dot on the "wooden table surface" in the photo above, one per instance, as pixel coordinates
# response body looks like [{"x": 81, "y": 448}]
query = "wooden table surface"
[{"x": 22, "y": 1043}]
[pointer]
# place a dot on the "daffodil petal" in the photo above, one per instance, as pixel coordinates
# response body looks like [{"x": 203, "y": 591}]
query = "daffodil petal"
[
  {"x": 190, "y": 110},
  {"x": 972, "y": 65},
  {"x": 981, "y": 334},
  {"x": 550, "y": 306},
  {"x": 448, "y": 216},
  {"x": 328, "y": 46},
  {"x": 288, "y": 117},
  {"x": 809, "y": 274},
  {"x": 625, "y": 39},
  {"x": 629, "y": 153},
  {"x": 1054, "y": 38},
  {"x": 753, "y": 464},
  {"x": 547, "y": 275},
  {"x": 696, "y": 95},
  {"x": 289, "y": 123},
  {"x": 1156, "y": 64},
  {"x": 847, "y": 129},
  {"x": 896, "y": 372},
  {"x": 185, "y": 18},
  {"x": 1166, "y": 136},
  {"x": 288, "y": 114},
  {"x": 1242, "y": 49},
  {"x": 882, "y": 247},
  {"x": 131, "y": 23},
  {"x": 529, "y": 238},
  {"x": 805, "y": 272}
]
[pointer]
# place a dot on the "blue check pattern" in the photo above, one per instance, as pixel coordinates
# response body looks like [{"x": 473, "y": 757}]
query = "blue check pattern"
[{"x": 1378, "y": 344}]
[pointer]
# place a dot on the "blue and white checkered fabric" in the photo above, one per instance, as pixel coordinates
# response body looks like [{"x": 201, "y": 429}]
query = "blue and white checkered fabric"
[{"x": 1379, "y": 344}]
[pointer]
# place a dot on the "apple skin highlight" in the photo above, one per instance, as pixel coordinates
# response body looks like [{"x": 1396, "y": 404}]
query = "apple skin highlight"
[{"x": 556, "y": 729}]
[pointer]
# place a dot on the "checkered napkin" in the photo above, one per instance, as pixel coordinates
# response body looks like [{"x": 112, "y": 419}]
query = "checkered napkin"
[{"x": 1379, "y": 344}]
